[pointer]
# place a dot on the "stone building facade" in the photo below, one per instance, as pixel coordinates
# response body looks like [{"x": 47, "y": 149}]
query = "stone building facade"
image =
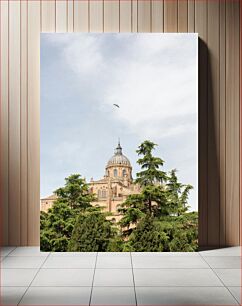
[
  {"x": 117, "y": 183},
  {"x": 113, "y": 188}
]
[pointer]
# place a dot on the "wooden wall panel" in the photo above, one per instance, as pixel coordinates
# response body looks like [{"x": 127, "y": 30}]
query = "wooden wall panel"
[
  {"x": 96, "y": 16},
  {"x": 81, "y": 16},
  {"x": 61, "y": 15},
  {"x": 33, "y": 132},
  {"x": 232, "y": 121},
  {"x": 222, "y": 120},
  {"x": 48, "y": 16},
  {"x": 4, "y": 179},
  {"x": 182, "y": 16},
  {"x": 125, "y": 21},
  {"x": 70, "y": 15},
  {"x": 14, "y": 121},
  {"x": 171, "y": 15},
  {"x": 217, "y": 23},
  {"x": 144, "y": 16},
  {"x": 24, "y": 123},
  {"x": 111, "y": 16},
  {"x": 213, "y": 123},
  {"x": 157, "y": 12},
  {"x": 134, "y": 15},
  {"x": 201, "y": 28},
  {"x": 191, "y": 15}
]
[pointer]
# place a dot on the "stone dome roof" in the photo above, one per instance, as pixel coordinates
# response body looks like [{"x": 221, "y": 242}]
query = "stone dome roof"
[{"x": 118, "y": 158}]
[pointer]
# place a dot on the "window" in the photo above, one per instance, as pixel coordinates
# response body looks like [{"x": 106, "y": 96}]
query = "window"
[
  {"x": 124, "y": 172},
  {"x": 115, "y": 172},
  {"x": 103, "y": 193}
]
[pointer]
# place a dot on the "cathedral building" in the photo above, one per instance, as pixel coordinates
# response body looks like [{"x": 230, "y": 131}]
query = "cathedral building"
[
  {"x": 117, "y": 183},
  {"x": 113, "y": 188}
]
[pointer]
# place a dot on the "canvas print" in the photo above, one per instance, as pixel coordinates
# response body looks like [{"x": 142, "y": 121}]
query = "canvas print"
[{"x": 119, "y": 142}]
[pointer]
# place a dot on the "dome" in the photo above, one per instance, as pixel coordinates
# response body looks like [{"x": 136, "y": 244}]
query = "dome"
[{"x": 118, "y": 158}]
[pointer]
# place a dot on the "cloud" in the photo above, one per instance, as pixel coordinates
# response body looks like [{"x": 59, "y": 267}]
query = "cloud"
[{"x": 152, "y": 77}]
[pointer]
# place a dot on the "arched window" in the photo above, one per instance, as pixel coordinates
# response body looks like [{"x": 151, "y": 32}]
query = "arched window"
[
  {"x": 124, "y": 172},
  {"x": 115, "y": 172}
]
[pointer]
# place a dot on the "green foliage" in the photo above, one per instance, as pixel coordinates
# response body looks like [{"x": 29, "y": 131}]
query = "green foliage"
[
  {"x": 148, "y": 237},
  {"x": 177, "y": 194},
  {"x": 75, "y": 193},
  {"x": 150, "y": 174},
  {"x": 155, "y": 220},
  {"x": 57, "y": 224},
  {"x": 56, "y": 227},
  {"x": 92, "y": 232}
]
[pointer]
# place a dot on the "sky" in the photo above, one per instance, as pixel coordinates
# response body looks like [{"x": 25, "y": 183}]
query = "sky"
[{"x": 152, "y": 77}]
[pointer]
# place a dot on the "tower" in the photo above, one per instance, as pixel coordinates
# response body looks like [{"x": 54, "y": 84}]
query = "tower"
[{"x": 119, "y": 167}]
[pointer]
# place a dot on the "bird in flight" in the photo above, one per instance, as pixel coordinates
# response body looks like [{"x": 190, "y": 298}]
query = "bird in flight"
[{"x": 116, "y": 105}]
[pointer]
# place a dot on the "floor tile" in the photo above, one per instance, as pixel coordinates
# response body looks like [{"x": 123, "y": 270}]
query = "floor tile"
[
  {"x": 175, "y": 277},
  {"x": 4, "y": 251},
  {"x": 70, "y": 262},
  {"x": 166, "y": 254},
  {"x": 230, "y": 277},
  {"x": 113, "y": 296},
  {"x": 230, "y": 251},
  {"x": 231, "y": 262},
  {"x": 57, "y": 296},
  {"x": 28, "y": 251},
  {"x": 73, "y": 254},
  {"x": 23, "y": 262},
  {"x": 11, "y": 295},
  {"x": 17, "y": 277},
  {"x": 64, "y": 277},
  {"x": 236, "y": 292},
  {"x": 184, "y": 296},
  {"x": 113, "y": 277},
  {"x": 169, "y": 262},
  {"x": 114, "y": 262}
]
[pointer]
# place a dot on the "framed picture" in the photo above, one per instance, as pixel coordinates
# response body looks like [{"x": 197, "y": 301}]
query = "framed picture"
[{"x": 119, "y": 142}]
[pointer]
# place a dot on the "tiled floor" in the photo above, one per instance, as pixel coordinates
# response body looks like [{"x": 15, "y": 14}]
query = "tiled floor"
[{"x": 29, "y": 277}]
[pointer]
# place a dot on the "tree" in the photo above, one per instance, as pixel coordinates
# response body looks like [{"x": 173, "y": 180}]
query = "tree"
[
  {"x": 148, "y": 237},
  {"x": 177, "y": 194},
  {"x": 151, "y": 177},
  {"x": 56, "y": 227},
  {"x": 92, "y": 232},
  {"x": 58, "y": 223},
  {"x": 75, "y": 193},
  {"x": 150, "y": 165}
]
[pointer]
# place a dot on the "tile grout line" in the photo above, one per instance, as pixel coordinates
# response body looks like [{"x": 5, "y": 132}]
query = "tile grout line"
[
  {"x": 33, "y": 279},
  {"x": 220, "y": 280},
  {"x": 135, "y": 296},
  {"x": 90, "y": 299},
  {"x": 14, "y": 248}
]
